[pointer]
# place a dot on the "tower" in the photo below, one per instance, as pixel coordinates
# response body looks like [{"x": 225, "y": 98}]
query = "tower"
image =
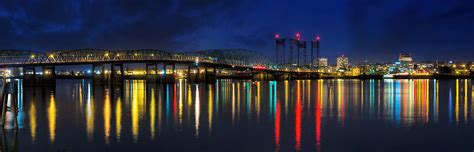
[
  {"x": 294, "y": 43},
  {"x": 299, "y": 45},
  {"x": 302, "y": 45},
  {"x": 315, "y": 45},
  {"x": 280, "y": 49}
]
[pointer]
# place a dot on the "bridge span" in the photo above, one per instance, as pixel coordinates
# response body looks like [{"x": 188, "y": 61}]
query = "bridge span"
[{"x": 225, "y": 63}]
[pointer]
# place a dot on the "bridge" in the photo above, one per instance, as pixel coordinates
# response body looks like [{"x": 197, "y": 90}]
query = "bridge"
[
  {"x": 238, "y": 61},
  {"x": 236, "y": 57}
]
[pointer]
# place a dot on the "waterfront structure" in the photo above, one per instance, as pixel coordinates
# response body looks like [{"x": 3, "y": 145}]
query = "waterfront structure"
[
  {"x": 155, "y": 64},
  {"x": 315, "y": 45},
  {"x": 321, "y": 62},
  {"x": 405, "y": 64},
  {"x": 280, "y": 52},
  {"x": 297, "y": 53},
  {"x": 223, "y": 63},
  {"x": 342, "y": 63},
  {"x": 405, "y": 58}
]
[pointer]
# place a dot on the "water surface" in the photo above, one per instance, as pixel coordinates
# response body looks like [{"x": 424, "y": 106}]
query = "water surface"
[{"x": 231, "y": 115}]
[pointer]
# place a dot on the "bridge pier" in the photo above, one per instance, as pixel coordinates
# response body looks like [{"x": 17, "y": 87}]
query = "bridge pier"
[
  {"x": 210, "y": 77},
  {"x": 168, "y": 78},
  {"x": 197, "y": 74},
  {"x": 9, "y": 87},
  {"x": 263, "y": 76},
  {"x": 151, "y": 72},
  {"x": 49, "y": 71},
  {"x": 98, "y": 78},
  {"x": 29, "y": 75},
  {"x": 193, "y": 74},
  {"x": 49, "y": 75},
  {"x": 116, "y": 76}
]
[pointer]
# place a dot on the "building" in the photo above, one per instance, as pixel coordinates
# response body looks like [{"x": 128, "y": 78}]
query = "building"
[
  {"x": 342, "y": 63},
  {"x": 355, "y": 71},
  {"x": 321, "y": 62},
  {"x": 405, "y": 63},
  {"x": 405, "y": 58}
]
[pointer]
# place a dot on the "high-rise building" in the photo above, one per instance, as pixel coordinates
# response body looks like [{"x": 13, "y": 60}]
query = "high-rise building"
[
  {"x": 342, "y": 62},
  {"x": 321, "y": 62}
]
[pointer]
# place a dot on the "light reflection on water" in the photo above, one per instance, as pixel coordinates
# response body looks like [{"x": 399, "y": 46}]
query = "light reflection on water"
[{"x": 316, "y": 115}]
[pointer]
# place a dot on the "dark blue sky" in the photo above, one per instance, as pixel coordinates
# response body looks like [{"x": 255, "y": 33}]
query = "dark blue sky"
[{"x": 376, "y": 30}]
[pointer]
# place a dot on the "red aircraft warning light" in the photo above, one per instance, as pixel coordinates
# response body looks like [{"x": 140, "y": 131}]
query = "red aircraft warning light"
[
  {"x": 277, "y": 36},
  {"x": 318, "y": 38},
  {"x": 298, "y": 36}
]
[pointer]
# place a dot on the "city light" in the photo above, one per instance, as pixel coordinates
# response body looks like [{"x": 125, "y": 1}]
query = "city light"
[
  {"x": 259, "y": 67},
  {"x": 207, "y": 76}
]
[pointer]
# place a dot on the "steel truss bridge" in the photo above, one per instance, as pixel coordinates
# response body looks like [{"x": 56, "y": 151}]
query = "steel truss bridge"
[{"x": 224, "y": 57}]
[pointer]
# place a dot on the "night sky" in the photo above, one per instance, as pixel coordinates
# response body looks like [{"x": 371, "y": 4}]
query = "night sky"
[{"x": 377, "y": 30}]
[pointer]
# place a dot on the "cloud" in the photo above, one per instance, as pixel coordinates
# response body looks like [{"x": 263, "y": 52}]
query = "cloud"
[
  {"x": 122, "y": 24},
  {"x": 360, "y": 29}
]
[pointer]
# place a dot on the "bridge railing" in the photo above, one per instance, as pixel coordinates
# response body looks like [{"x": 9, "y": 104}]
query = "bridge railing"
[{"x": 21, "y": 57}]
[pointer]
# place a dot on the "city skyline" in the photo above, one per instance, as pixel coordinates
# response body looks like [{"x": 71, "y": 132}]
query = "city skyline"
[
  {"x": 236, "y": 75},
  {"x": 426, "y": 29}
]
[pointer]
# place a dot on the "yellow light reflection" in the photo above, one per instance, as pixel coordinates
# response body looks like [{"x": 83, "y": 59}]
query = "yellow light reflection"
[
  {"x": 190, "y": 97},
  {"x": 238, "y": 102},
  {"x": 457, "y": 101},
  {"x": 190, "y": 100},
  {"x": 233, "y": 104},
  {"x": 197, "y": 110},
  {"x": 138, "y": 102},
  {"x": 257, "y": 99},
  {"x": 308, "y": 94},
  {"x": 209, "y": 114},
  {"x": 180, "y": 102},
  {"x": 465, "y": 100},
  {"x": 89, "y": 114},
  {"x": 33, "y": 124},
  {"x": 52, "y": 117},
  {"x": 152, "y": 114},
  {"x": 339, "y": 101},
  {"x": 286, "y": 97},
  {"x": 107, "y": 116},
  {"x": 318, "y": 114},
  {"x": 118, "y": 118},
  {"x": 362, "y": 96}
]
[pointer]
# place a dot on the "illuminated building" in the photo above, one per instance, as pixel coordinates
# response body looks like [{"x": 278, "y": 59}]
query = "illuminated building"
[
  {"x": 405, "y": 63},
  {"x": 342, "y": 63},
  {"x": 355, "y": 71},
  {"x": 405, "y": 58},
  {"x": 321, "y": 62}
]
